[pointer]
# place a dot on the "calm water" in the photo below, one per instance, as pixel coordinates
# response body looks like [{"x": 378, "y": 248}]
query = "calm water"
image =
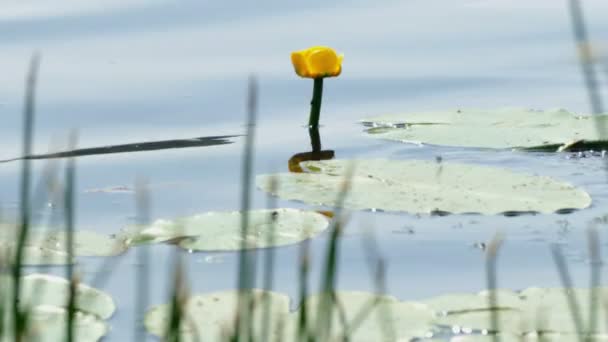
[{"x": 133, "y": 71}]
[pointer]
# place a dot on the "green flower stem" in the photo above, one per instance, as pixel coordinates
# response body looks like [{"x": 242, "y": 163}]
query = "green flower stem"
[
  {"x": 315, "y": 104},
  {"x": 315, "y": 138}
]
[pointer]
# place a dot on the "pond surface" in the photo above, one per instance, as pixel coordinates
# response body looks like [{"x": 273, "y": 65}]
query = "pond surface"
[{"x": 135, "y": 71}]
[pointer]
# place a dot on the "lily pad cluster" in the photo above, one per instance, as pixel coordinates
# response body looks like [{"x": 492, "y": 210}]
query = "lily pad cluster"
[
  {"x": 550, "y": 130},
  {"x": 528, "y": 315},
  {"x": 45, "y": 298},
  {"x": 418, "y": 186}
]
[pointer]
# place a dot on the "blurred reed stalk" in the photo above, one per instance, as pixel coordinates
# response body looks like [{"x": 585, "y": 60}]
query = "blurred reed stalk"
[
  {"x": 566, "y": 281},
  {"x": 246, "y": 264},
  {"x": 377, "y": 266},
  {"x": 491, "y": 283},
  {"x": 179, "y": 299},
  {"x": 19, "y": 324},
  {"x": 70, "y": 174},
  {"x": 595, "y": 261},
  {"x": 326, "y": 294},
  {"x": 142, "y": 276},
  {"x": 269, "y": 261},
  {"x": 303, "y": 331},
  {"x": 581, "y": 40}
]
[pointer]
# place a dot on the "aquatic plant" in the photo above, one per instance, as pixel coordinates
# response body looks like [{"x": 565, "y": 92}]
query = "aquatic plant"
[{"x": 316, "y": 62}]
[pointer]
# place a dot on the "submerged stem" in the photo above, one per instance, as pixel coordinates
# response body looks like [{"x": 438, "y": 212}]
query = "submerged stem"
[{"x": 315, "y": 104}]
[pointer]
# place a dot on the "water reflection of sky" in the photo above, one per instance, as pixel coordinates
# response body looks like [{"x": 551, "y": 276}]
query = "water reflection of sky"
[{"x": 129, "y": 71}]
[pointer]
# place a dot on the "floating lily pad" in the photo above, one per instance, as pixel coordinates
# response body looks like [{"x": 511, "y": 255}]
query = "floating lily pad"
[
  {"x": 86, "y": 243},
  {"x": 48, "y": 323},
  {"x": 504, "y": 128},
  {"x": 44, "y": 289},
  {"x": 388, "y": 320},
  {"x": 49, "y": 246},
  {"x": 45, "y": 298},
  {"x": 36, "y": 255},
  {"x": 452, "y": 303},
  {"x": 417, "y": 186},
  {"x": 539, "y": 310},
  {"x": 210, "y": 317},
  {"x": 221, "y": 231}
]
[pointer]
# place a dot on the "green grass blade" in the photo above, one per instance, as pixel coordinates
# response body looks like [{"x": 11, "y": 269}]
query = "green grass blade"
[
  {"x": 69, "y": 207},
  {"x": 142, "y": 276},
  {"x": 28, "y": 136}
]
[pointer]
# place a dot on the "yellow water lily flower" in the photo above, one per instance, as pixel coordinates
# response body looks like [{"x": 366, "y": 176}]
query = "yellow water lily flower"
[{"x": 317, "y": 62}]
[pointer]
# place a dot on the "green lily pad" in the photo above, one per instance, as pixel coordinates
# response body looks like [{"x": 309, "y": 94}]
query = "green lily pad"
[
  {"x": 503, "y": 128},
  {"x": 221, "y": 231},
  {"x": 417, "y": 186},
  {"x": 210, "y": 317},
  {"x": 543, "y": 310},
  {"x": 86, "y": 243},
  {"x": 49, "y": 290},
  {"x": 388, "y": 320},
  {"x": 36, "y": 255},
  {"x": 452, "y": 303},
  {"x": 45, "y": 298},
  {"x": 49, "y": 246},
  {"x": 48, "y": 324}
]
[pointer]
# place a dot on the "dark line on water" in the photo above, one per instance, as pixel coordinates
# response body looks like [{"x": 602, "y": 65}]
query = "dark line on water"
[{"x": 134, "y": 147}]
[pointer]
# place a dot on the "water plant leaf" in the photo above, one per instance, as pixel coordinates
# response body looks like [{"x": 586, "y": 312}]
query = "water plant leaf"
[
  {"x": 541, "y": 310},
  {"x": 86, "y": 243},
  {"x": 221, "y": 231},
  {"x": 417, "y": 186},
  {"x": 46, "y": 246},
  {"x": 503, "y": 128},
  {"x": 45, "y": 297},
  {"x": 460, "y": 302},
  {"x": 209, "y": 317},
  {"x": 48, "y": 324},
  {"x": 45, "y": 289},
  {"x": 36, "y": 255},
  {"x": 388, "y": 320}
]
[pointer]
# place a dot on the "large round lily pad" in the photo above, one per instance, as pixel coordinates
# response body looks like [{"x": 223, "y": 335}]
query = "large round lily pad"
[
  {"x": 417, "y": 186},
  {"x": 210, "y": 317},
  {"x": 504, "y": 128},
  {"x": 221, "y": 231}
]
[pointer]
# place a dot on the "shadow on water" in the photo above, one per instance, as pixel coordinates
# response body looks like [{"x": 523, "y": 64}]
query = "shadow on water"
[{"x": 134, "y": 147}]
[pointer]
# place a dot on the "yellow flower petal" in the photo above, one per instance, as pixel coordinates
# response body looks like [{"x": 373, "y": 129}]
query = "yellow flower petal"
[
  {"x": 317, "y": 61},
  {"x": 299, "y": 63}
]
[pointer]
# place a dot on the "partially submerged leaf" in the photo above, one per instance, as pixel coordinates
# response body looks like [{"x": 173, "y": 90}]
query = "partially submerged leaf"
[
  {"x": 221, "y": 231},
  {"x": 503, "y": 128},
  {"x": 417, "y": 186},
  {"x": 208, "y": 317}
]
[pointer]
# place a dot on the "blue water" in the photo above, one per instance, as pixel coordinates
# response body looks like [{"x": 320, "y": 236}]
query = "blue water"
[{"x": 135, "y": 71}]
